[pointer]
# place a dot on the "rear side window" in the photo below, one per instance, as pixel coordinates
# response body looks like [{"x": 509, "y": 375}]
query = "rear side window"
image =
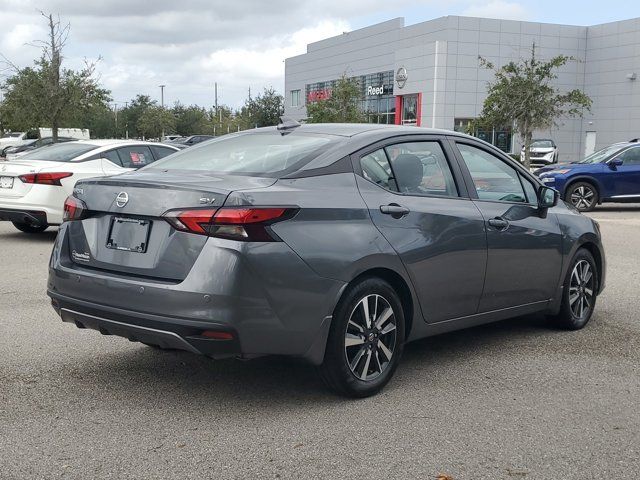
[
  {"x": 135, "y": 156},
  {"x": 161, "y": 152},
  {"x": 421, "y": 168},
  {"x": 376, "y": 169},
  {"x": 112, "y": 156},
  {"x": 493, "y": 178}
]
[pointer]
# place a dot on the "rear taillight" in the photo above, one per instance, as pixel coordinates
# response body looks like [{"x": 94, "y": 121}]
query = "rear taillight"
[
  {"x": 245, "y": 224},
  {"x": 74, "y": 209},
  {"x": 47, "y": 178}
]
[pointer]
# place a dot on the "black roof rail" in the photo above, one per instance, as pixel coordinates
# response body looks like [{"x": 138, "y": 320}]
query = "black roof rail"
[{"x": 286, "y": 124}]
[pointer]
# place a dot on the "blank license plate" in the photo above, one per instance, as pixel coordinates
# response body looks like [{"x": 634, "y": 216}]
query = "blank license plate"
[
  {"x": 129, "y": 234},
  {"x": 6, "y": 182}
]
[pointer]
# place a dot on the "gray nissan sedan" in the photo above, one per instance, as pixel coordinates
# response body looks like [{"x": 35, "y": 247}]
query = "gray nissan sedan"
[{"x": 335, "y": 243}]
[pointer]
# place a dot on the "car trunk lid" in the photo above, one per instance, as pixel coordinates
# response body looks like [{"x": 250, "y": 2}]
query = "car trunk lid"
[
  {"x": 10, "y": 184},
  {"x": 125, "y": 231}
]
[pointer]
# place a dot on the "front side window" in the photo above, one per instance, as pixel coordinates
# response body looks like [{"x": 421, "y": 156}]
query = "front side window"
[
  {"x": 161, "y": 152},
  {"x": 631, "y": 156},
  {"x": 135, "y": 156},
  {"x": 493, "y": 178}
]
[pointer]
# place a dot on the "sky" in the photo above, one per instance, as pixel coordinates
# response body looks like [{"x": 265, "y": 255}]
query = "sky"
[{"x": 189, "y": 45}]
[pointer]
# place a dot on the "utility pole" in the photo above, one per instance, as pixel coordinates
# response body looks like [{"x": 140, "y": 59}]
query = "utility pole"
[{"x": 162, "y": 105}]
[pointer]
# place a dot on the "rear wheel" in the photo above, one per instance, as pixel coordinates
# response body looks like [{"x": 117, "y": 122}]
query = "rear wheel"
[
  {"x": 365, "y": 341},
  {"x": 579, "y": 292},
  {"x": 583, "y": 196},
  {"x": 26, "y": 228}
]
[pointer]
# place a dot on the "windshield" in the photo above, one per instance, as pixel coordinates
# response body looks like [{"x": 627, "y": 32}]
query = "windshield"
[
  {"x": 249, "y": 154},
  {"x": 542, "y": 144},
  {"x": 603, "y": 154},
  {"x": 61, "y": 152}
]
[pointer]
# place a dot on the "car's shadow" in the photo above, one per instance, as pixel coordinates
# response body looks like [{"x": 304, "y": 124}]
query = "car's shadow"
[
  {"x": 617, "y": 207},
  {"x": 145, "y": 375},
  {"x": 48, "y": 236}
]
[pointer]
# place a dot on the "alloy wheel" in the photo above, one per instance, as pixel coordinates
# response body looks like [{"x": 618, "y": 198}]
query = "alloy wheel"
[
  {"x": 581, "y": 288},
  {"x": 370, "y": 337},
  {"x": 582, "y": 197}
]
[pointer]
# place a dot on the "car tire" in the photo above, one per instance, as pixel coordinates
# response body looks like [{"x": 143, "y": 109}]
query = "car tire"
[
  {"x": 579, "y": 293},
  {"x": 26, "y": 228},
  {"x": 583, "y": 196},
  {"x": 365, "y": 365}
]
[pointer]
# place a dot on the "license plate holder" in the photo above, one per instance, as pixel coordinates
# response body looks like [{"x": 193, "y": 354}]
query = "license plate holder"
[
  {"x": 6, "y": 182},
  {"x": 129, "y": 234}
]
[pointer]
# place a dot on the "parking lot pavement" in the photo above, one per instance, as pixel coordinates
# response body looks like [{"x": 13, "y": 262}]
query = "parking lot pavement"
[{"x": 512, "y": 400}]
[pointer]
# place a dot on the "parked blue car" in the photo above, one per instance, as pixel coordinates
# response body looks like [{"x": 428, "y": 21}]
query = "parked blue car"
[{"x": 608, "y": 175}]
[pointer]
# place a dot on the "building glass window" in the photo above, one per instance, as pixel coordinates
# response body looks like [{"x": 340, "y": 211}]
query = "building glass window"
[
  {"x": 501, "y": 137},
  {"x": 376, "y": 102},
  {"x": 295, "y": 98}
]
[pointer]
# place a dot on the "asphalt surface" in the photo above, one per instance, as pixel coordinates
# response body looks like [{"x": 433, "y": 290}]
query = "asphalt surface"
[{"x": 513, "y": 400}]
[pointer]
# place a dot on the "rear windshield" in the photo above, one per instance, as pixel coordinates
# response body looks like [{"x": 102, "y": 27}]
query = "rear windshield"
[
  {"x": 60, "y": 152},
  {"x": 265, "y": 153}
]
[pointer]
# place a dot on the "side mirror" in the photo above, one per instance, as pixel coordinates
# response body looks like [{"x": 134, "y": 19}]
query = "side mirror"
[
  {"x": 615, "y": 163},
  {"x": 547, "y": 197}
]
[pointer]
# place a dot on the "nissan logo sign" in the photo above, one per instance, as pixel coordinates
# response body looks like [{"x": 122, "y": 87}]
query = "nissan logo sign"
[
  {"x": 401, "y": 77},
  {"x": 122, "y": 199}
]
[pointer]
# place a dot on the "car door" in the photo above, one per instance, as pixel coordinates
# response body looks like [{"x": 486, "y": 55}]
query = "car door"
[
  {"x": 417, "y": 201},
  {"x": 524, "y": 243},
  {"x": 625, "y": 179}
]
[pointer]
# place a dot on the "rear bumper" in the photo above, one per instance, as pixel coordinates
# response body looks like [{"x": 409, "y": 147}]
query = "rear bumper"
[
  {"x": 150, "y": 329},
  {"x": 264, "y": 294},
  {"x": 31, "y": 217}
]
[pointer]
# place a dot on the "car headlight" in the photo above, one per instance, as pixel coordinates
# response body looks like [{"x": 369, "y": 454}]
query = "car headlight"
[
  {"x": 548, "y": 180},
  {"x": 548, "y": 156}
]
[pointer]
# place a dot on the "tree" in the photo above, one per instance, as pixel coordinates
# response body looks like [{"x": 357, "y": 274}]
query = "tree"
[
  {"x": 264, "y": 110},
  {"x": 522, "y": 94},
  {"x": 47, "y": 94},
  {"x": 130, "y": 115},
  {"x": 191, "y": 120},
  {"x": 341, "y": 106},
  {"x": 155, "y": 120}
]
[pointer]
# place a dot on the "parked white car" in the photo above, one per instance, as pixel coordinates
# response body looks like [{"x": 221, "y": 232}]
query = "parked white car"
[
  {"x": 542, "y": 152},
  {"x": 33, "y": 187}
]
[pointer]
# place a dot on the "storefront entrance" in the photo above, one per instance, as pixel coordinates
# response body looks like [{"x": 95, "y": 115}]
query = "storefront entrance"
[{"x": 408, "y": 109}]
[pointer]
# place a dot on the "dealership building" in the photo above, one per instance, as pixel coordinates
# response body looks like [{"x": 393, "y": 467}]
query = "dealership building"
[{"x": 428, "y": 75}]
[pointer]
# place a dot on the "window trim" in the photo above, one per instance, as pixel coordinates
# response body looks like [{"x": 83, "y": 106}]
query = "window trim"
[
  {"x": 449, "y": 153},
  {"x": 496, "y": 152}
]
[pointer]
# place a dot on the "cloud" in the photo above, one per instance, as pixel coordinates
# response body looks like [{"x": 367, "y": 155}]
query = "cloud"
[{"x": 498, "y": 9}]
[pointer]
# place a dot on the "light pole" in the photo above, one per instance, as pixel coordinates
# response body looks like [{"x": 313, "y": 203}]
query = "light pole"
[{"x": 162, "y": 105}]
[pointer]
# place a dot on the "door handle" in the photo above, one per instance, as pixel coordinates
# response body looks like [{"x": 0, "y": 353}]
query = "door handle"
[
  {"x": 499, "y": 223},
  {"x": 395, "y": 210}
]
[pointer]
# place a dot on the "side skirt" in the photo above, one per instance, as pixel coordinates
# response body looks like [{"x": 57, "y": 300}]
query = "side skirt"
[{"x": 483, "y": 318}]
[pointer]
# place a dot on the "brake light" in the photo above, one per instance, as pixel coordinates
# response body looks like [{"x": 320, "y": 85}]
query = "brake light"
[
  {"x": 47, "y": 178},
  {"x": 74, "y": 209},
  {"x": 244, "y": 224}
]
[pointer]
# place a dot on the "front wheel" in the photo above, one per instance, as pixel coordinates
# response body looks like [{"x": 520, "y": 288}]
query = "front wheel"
[
  {"x": 26, "y": 228},
  {"x": 365, "y": 341},
  {"x": 583, "y": 196},
  {"x": 579, "y": 292}
]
